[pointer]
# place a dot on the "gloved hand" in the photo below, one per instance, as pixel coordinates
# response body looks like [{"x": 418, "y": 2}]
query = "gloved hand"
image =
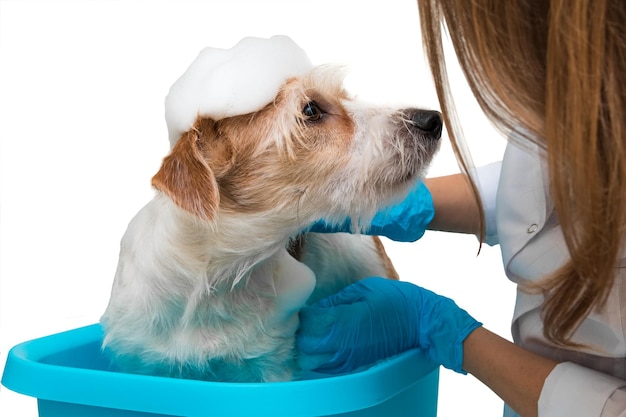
[
  {"x": 404, "y": 222},
  {"x": 377, "y": 318}
]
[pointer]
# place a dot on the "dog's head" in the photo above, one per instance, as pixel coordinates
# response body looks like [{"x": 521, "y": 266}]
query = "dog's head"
[{"x": 314, "y": 152}]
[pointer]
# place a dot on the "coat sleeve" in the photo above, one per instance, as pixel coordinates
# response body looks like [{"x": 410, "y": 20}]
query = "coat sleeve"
[
  {"x": 575, "y": 391},
  {"x": 488, "y": 178}
]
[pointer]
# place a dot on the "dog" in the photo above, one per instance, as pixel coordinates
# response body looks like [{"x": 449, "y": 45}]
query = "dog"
[{"x": 213, "y": 271}]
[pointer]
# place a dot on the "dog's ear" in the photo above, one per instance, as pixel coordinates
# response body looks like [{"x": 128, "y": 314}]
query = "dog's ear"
[{"x": 187, "y": 179}]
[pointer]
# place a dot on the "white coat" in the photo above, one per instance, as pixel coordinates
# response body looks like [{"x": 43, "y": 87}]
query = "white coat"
[{"x": 520, "y": 217}]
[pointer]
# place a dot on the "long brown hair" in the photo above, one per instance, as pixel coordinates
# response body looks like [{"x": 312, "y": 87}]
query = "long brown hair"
[{"x": 557, "y": 69}]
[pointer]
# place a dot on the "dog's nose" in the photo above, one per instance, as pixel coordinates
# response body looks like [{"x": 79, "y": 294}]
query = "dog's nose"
[{"x": 429, "y": 121}]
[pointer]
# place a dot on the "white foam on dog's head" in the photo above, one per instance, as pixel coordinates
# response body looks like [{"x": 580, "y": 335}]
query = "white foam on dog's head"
[{"x": 222, "y": 83}]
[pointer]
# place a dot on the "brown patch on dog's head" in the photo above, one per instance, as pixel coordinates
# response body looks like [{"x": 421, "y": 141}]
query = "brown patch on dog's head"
[{"x": 286, "y": 159}]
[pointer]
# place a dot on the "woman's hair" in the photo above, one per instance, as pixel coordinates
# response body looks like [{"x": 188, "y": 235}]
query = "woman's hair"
[{"x": 555, "y": 70}]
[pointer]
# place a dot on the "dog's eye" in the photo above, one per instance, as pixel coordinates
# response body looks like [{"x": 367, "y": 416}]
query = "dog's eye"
[{"x": 312, "y": 112}]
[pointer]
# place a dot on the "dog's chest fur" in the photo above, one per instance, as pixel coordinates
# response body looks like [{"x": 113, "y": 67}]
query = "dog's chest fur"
[{"x": 193, "y": 316}]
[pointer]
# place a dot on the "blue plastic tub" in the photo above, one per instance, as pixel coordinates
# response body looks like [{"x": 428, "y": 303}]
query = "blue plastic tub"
[{"x": 70, "y": 378}]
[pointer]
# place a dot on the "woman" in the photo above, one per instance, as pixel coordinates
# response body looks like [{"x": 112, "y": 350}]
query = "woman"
[{"x": 551, "y": 76}]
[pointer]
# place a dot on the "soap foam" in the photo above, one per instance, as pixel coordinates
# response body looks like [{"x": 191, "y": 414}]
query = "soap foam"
[{"x": 222, "y": 83}]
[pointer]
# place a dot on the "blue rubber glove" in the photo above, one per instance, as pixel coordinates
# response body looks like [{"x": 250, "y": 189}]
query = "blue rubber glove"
[
  {"x": 377, "y": 318},
  {"x": 404, "y": 222}
]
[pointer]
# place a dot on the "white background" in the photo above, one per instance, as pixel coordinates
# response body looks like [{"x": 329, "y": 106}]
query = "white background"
[{"x": 82, "y": 131}]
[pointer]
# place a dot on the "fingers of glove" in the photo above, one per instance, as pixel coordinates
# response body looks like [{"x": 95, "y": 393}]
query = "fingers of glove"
[
  {"x": 312, "y": 362},
  {"x": 331, "y": 324},
  {"x": 341, "y": 362},
  {"x": 356, "y": 348},
  {"x": 323, "y": 330},
  {"x": 407, "y": 221},
  {"x": 315, "y": 322},
  {"x": 327, "y": 338},
  {"x": 374, "y": 304},
  {"x": 381, "y": 324},
  {"x": 379, "y": 335}
]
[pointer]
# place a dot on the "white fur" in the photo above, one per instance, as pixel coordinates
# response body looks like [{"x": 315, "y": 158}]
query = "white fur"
[{"x": 211, "y": 293}]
